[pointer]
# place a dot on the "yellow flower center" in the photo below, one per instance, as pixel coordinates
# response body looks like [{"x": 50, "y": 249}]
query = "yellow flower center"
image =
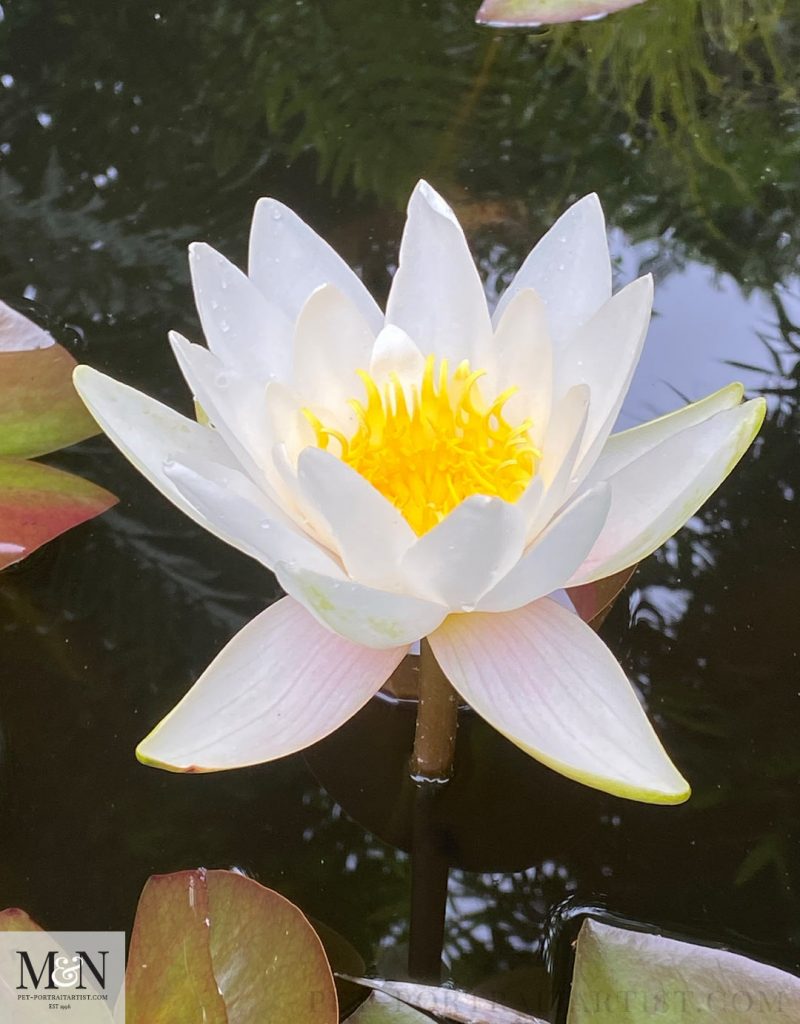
[{"x": 428, "y": 447}]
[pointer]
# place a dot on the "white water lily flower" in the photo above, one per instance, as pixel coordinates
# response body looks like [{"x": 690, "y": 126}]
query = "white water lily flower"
[{"x": 431, "y": 472}]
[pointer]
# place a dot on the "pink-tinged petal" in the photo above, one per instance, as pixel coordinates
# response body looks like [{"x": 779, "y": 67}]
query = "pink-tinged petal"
[
  {"x": 521, "y": 13},
  {"x": 37, "y": 503},
  {"x": 39, "y": 410},
  {"x": 603, "y": 355},
  {"x": 523, "y": 356},
  {"x": 19, "y": 334},
  {"x": 282, "y": 683},
  {"x": 554, "y": 555},
  {"x": 370, "y": 534},
  {"x": 233, "y": 402},
  {"x": 437, "y": 296},
  {"x": 150, "y": 434},
  {"x": 332, "y": 340},
  {"x": 545, "y": 680},
  {"x": 623, "y": 448},
  {"x": 653, "y": 496},
  {"x": 241, "y": 326},
  {"x": 569, "y": 268},
  {"x": 365, "y": 615},
  {"x": 288, "y": 261},
  {"x": 462, "y": 557},
  {"x": 244, "y": 517}
]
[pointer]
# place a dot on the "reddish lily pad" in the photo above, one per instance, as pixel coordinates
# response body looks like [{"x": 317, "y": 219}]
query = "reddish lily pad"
[
  {"x": 40, "y": 411},
  {"x": 218, "y": 947},
  {"x": 594, "y": 600},
  {"x": 519, "y": 13},
  {"x": 16, "y": 920},
  {"x": 37, "y": 503}
]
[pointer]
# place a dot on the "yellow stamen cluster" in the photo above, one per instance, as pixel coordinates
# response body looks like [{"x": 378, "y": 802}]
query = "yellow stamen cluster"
[{"x": 427, "y": 447}]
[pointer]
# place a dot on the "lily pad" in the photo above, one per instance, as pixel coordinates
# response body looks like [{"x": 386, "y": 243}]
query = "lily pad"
[
  {"x": 382, "y": 1009},
  {"x": 519, "y": 13},
  {"x": 447, "y": 1002},
  {"x": 593, "y": 601},
  {"x": 218, "y": 947},
  {"x": 628, "y": 977},
  {"x": 37, "y": 503},
  {"x": 40, "y": 411}
]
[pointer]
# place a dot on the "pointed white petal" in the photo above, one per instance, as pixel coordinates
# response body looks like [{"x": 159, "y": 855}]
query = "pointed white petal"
[
  {"x": 395, "y": 353},
  {"x": 554, "y": 555},
  {"x": 603, "y": 355},
  {"x": 570, "y": 268},
  {"x": 523, "y": 356},
  {"x": 288, "y": 261},
  {"x": 653, "y": 496},
  {"x": 282, "y": 683},
  {"x": 19, "y": 334},
  {"x": 370, "y": 535},
  {"x": 150, "y": 434},
  {"x": 545, "y": 680},
  {"x": 331, "y": 342},
  {"x": 364, "y": 615},
  {"x": 560, "y": 449},
  {"x": 234, "y": 403},
  {"x": 247, "y": 519},
  {"x": 621, "y": 449},
  {"x": 466, "y": 553},
  {"x": 436, "y": 296},
  {"x": 241, "y": 327}
]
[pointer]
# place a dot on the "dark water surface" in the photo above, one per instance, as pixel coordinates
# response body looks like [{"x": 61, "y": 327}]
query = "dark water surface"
[{"x": 128, "y": 130}]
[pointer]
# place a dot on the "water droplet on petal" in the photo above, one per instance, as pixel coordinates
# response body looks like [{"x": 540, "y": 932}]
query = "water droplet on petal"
[
  {"x": 222, "y": 379},
  {"x": 276, "y": 213}
]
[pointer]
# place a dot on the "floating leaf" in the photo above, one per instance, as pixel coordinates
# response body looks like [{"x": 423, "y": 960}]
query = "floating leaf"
[
  {"x": 512, "y": 13},
  {"x": 15, "y": 920},
  {"x": 447, "y": 1002},
  {"x": 628, "y": 977},
  {"x": 379, "y": 1008},
  {"x": 40, "y": 411},
  {"x": 220, "y": 948},
  {"x": 37, "y": 503},
  {"x": 592, "y": 600}
]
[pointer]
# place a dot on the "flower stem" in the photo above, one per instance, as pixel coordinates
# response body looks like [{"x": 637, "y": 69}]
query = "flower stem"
[{"x": 437, "y": 721}]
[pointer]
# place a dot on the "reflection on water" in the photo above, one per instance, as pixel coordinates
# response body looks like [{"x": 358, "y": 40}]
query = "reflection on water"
[{"x": 129, "y": 130}]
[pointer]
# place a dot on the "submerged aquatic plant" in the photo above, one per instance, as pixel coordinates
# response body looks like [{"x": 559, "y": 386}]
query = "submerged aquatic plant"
[{"x": 427, "y": 473}]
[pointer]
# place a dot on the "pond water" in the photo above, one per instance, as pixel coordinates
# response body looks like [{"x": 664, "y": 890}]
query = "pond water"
[{"x": 130, "y": 129}]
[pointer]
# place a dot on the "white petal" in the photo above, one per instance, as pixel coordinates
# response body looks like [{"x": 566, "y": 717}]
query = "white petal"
[
  {"x": 554, "y": 555},
  {"x": 364, "y": 615},
  {"x": 247, "y": 519},
  {"x": 545, "y": 680},
  {"x": 621, "y": 449},
  {"x": 151, "y": 434},
  {"x": 570, "y": 268},
  {"x": 436, "y": 296},
  {"x": 281, "y": 684},
  {"x": 560, "y": 449},
  {"x": 603, "y": 355},
  {"x": 233, "y": 402},
  {"x": 457, "y": 561},
  {"x": 331, "y": 341},
  {"x": 369, "y": 533},
  {"x": 288, "y": 261},
  {"x": 524, "y": 359},
  {"x": 652, "y": 497},
  {"x": 241, "y": 327},
  {"x": 19, "y": 334},
  {"x": 395, "y": 353}
]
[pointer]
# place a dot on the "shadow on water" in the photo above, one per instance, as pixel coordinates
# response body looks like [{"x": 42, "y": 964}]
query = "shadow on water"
[{"x": 131, "y": 129}]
